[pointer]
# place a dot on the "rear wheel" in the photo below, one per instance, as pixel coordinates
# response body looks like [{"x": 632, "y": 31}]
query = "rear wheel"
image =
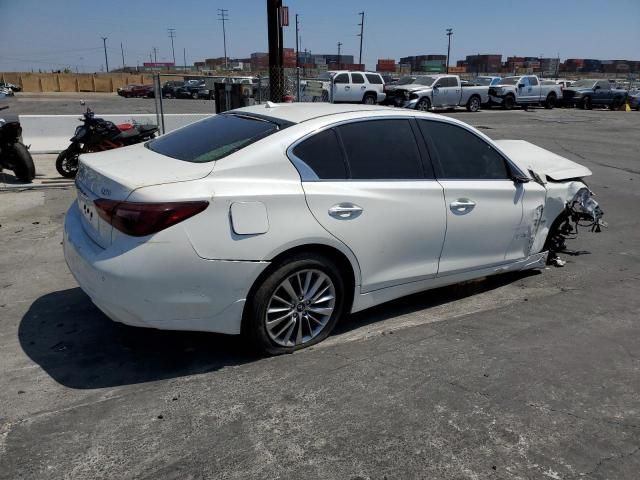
[
  {"x": 473, "y": 105},
  {"x": 369, "y": 99},
  {"x": 550, "y": 102},
  {"x": 295, "y": 306},
  {"x": 22, "y": 163},
  {"x": 508, "y": 102},
  {"x": 586, "y": 103},
  {"x": 616, "y": 103},
  {"x": 424, "y": 104},
  {"x": 67, "y": 163}
]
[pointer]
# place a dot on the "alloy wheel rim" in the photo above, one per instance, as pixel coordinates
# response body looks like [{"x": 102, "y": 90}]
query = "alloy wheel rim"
[
  {"x": 424, "y": 105},
  {"x": 475, "y": 104},
  {"x": 300, "y": 308}
]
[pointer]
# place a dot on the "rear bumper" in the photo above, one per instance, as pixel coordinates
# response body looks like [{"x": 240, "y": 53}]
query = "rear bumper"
[{"x": 159, "y": 284}]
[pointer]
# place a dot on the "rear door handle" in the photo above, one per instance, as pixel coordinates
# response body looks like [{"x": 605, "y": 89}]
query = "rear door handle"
[
  {"x": 462, "y": 205},
  {"x": 345, "y": 210}
]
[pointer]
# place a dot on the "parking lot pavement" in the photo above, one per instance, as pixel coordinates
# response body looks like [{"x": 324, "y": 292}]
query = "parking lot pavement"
[
  {"x": 525, "y": 376},
  {"x": 46, "y": 176}
]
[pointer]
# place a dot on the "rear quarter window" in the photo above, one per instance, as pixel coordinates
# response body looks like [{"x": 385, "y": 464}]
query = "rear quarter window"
[{"x": 213, "y": 138}]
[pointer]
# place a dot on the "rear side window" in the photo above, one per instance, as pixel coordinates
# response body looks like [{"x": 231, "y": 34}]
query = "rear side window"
[
  {"x": 463, "y": 155},
  {"x": 357, "y": 78},
  {"x": 213, "y": 138},
  {"x": 381, "y": 150},
  {"x": 322, "y": 154},
  {"x": 533, "y": 81},
  {"x": 374, "y": 79}
]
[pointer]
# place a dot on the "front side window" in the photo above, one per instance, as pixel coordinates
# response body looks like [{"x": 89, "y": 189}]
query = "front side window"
[
  {"x": 374, "y": 79},
  {"x": 357, "y": 78},
  {"x": 524, "y": 81},
  {"x": 322, "y": 154},
  {"x": 463, "y": 155},
  {"x": 603, "y": 84},
  {"x": 381, "y": 150},
  {"x": 342, "y": 78},
  {"x": 213, "y": 138}
]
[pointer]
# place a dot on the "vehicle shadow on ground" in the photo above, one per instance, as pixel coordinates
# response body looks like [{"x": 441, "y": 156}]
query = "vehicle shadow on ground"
[{"x": 79, "y": 347}]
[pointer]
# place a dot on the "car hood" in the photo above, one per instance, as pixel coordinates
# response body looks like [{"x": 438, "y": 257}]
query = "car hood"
[
  {"x": 529, "y": 157},
  {"x": 410, "y": 88}
]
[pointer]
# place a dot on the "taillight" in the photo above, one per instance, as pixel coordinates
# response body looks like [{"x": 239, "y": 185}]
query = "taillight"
[{"x": 140, "y": 219}]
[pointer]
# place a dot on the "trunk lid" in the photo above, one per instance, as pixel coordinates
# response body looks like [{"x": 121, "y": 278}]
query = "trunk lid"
[
  {"x": 528, "y": 156},
  {"x": 114, "y": 174}
]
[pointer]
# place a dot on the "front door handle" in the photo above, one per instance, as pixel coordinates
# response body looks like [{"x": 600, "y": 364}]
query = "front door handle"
[
  {"x": 347, "y": 88},
  {"x": 345, "y": 210},
  {"x": 462, "y": 205}
]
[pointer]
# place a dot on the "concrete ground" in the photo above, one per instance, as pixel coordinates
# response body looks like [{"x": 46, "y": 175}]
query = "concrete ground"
[{"x": 526, "y": 376}]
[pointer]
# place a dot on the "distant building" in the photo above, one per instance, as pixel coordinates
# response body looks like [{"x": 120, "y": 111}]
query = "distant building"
[
  {"x": 487, "y": 63},
  {"x": 386, "y": 65}
]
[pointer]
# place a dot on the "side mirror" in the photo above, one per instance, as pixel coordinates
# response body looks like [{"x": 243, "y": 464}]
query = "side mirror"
[
  {"x": 520, "y": 85},
  {"x": 597, "y": 87}
]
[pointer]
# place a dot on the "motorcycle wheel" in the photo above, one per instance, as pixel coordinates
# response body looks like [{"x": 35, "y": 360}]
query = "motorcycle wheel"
[
  {"x": 23, "y": 166},
  {"x": 67, "y": 163}
]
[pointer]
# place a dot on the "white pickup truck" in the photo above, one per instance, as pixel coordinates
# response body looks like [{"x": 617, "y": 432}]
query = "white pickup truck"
[
  {"x": 440, "y": 91},
  {"x": 524, "y": 90}
]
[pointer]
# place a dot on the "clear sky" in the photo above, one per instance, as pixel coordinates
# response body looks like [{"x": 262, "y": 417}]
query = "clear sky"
[{"x": 53, "y": 34}]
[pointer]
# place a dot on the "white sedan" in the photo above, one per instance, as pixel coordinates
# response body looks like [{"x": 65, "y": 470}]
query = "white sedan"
[{"x": 276, "y": 220}]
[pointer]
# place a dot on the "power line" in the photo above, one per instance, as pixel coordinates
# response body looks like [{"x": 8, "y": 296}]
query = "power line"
[
  {"x": 223, "y": 16},
  {"x": 106, "y": 59},
  {"x": 172, "y": 35}
]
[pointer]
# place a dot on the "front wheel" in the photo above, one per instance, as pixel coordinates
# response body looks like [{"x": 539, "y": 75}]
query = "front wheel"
[
  {"x": 508, "y": 102},
  {"x": 473, "y": 105},
  {"x": 22, "y": 163},
  {"x": 424, "y": 104},
  {"x": 586, "y": 103},
  {"x": 67, "y": 163},
  {"x": 296, "y": 306}
]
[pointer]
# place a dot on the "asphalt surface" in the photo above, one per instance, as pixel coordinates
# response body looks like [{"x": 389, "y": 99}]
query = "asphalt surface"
[{"x": 526, "y": 376}]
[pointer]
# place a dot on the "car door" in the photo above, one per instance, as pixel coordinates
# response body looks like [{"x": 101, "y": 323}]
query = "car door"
[
  {"x": 439, "y": 93},
  {"x": 535, "y": 89},
  {"x": 484, "y": 206},
  {"x": 358, "y": 87},
  {"x": 524, "y": 90},
  {"x": 453, "y": 91},
  {"x": 341, "y": 88},
  {"x": 365, "y": 182},
  {"x": 602, "y": 92}
]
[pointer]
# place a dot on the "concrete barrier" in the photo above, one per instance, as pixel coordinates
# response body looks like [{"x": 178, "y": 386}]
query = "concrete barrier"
[{"x": 51, "y": 133}]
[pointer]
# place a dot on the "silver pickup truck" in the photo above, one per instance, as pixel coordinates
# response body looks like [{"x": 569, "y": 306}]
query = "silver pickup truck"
[
  {"x": 524, "y": 90},
  {"x": 441, "y": 91}
]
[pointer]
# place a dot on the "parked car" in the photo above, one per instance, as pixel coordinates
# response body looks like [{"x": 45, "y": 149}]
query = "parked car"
[
  {"x": 589, "y": 92},
  {"x": 169, "y": 88},
  {"x": 524, "y": 90},
  {"x": 353, "y": 87},
  {"x": 10, "y": 86},
  {"x": 190, "y": 90},
  {"x": 634, "y": 100},
  {"x": 274, "y": 221},
  {"x": 136, "y": 90},
  {"x": 398, "y": 92},
  {"x": 6, "y": 92},
  {"x": 444, "y": 91}
]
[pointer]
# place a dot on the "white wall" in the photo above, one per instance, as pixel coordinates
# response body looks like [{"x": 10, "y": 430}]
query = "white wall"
[{"x": 51, "y": 133}]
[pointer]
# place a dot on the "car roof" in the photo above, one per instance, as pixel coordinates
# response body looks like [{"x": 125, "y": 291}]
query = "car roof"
[{"x": 303, "y": 111}]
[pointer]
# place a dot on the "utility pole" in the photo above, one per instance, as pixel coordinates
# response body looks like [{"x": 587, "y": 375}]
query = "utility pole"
[
  {"x": 361, "y": 34},
  {"x": 172, "y": 35},
  {"x": 339, "y": 56},
  {"x": 184, "y": 58},
  {"x": 122, "y": 51},
  {"x": 106, "y": 60},
  {"x": 150, "y": 58},
  {"x": 155, "y": 54},
  {"x": 223, "y": 16},
  {"x": 449, "y": 33}
]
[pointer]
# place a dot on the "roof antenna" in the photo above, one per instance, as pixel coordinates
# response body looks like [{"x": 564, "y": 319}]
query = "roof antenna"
[{"x": 270, "y": 105}]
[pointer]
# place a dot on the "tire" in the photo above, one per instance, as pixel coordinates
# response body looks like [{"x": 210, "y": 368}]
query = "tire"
[
  {"x": 67, "y": 163},
  {"x": 550, "y": 102},
  {"x": 194, "y": 95},
  {"x": 369, "y": 99},
  {"x": 424, "y": 104},
  {"x": 508, "y": 102},
  {"x": 23, "y": 167},
  {"x": 473, "y": 105},
  {"x": 586, "y": 103},
  {"x": 268, "y": 331}
]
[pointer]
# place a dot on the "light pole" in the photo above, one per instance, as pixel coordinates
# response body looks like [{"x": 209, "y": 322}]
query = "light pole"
[
  {"x": 339, "y": 57},
  {"x": 449, "y": 33},
  {"x": 106, "y": 60}
]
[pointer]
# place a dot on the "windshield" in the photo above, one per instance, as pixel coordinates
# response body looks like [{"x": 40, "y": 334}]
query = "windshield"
[
  {"x": 510, "y": 81},
  {"x": 406, "y": 81},
  {"x": 583, "y": 84},
  {"x": 423, "y": 80},
  {"x": 325, "y": 76},
  {"x": 483, "y": 81},
  {"x": 213, "y": 138}
]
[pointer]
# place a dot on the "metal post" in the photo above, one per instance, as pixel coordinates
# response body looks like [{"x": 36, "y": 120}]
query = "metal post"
[
  {"x": 158, "y": 95},
  {"x": 184, "y": 59},
  {"x": 122, "y": 51},
  {"x": 297, "y": 60},
  {"x": 449, "y": 33},
  {"x": 339, "y": 56},
  {"x": 297, "y": 84},
  {"x": 106, "y": 59},
  {"x": 361, "y": 24},
  {"x": 259, "y": 89}
]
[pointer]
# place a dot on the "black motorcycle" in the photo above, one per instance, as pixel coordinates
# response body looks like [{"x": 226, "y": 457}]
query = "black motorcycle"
[
  {"x": 14, "y": 155},
  {"x": 97, "y": 135}
]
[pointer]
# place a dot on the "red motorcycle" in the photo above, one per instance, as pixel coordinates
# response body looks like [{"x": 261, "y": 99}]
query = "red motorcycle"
[{"x": 97, "y": 135}]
